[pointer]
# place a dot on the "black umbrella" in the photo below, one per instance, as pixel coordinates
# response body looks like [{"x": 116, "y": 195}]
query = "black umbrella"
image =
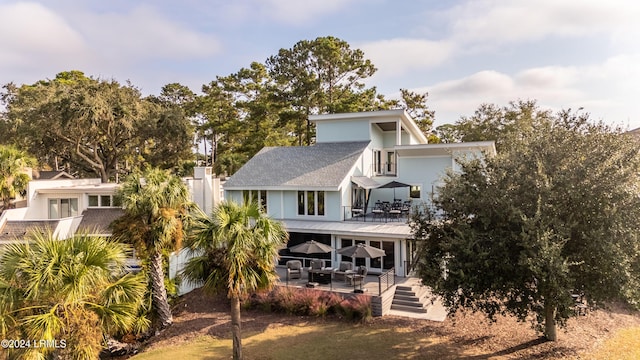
[
  {"x": 393, "y": 185},
  {"x": 311, "y": 247},
  {"x": 361, "y": 251}
]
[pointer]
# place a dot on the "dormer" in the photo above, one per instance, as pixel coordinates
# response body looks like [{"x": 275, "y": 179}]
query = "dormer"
[{"x": 384, "y": 129}]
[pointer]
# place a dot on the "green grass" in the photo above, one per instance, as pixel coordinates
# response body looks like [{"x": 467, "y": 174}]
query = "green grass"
[{"x": 317, "y": 341}]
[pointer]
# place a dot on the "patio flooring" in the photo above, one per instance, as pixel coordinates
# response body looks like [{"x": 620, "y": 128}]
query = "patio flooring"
[{"x": 436, "y": 312}]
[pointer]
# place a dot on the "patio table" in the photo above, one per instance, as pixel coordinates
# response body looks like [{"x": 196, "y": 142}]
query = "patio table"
[{"x": 322, "y": 276}]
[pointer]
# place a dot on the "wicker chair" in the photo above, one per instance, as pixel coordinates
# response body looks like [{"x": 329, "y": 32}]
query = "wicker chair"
[
  {"x": 345, "y": 268},
  {"x": 294, "y": 269}
]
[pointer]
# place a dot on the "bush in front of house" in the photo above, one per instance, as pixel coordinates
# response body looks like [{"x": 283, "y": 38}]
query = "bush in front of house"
[{"x": 310, "y": 302}]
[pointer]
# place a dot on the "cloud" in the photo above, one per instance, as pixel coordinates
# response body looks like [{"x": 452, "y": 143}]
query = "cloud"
[
  {"x": 143, "y": 34},
  {"x": 497, "y": 21},
  {"x": 400, "y": 56},
  {"x": 605, "y": 90},
  {"x": 32, "y": 36}
]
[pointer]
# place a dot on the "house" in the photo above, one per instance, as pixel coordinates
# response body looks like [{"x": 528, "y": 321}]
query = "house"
[
  {"x": 356, "y": 184},
  {"x": 65, "y": 205}
]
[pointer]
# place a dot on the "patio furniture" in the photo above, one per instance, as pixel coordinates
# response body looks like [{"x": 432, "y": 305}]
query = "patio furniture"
[
  {"x": 294, "y": 269},
  {"x": 358, "y": 277},
  {"x": 378, "y": 210},
  {"x": 322, "y": 276},
  {"x": 406, "y": 207},
  {"x": 396, "y": 209},
  {"x": 340, "y": 272}
]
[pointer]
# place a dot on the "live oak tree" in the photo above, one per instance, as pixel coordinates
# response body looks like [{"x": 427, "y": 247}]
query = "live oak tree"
[
  {"x": 556, "y": 212},
  {"x": 93, "y": 125}
]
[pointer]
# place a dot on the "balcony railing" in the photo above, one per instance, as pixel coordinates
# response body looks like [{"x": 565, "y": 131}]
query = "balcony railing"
[{"x": 384, "y": 214}]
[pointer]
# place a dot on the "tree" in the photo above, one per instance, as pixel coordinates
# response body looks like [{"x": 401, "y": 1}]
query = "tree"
[
  {"x": 13, "y": 179},
  {"x": 555, "y": 213},
  {"x": 156, "y": 206},
  {"x": 73, "y": 292},
  {"x": 235, "y": 251},
  {"x": 320, "y": 76},
  {"x": 504, "y": 125},
  {"x": 95, "y": 126}
]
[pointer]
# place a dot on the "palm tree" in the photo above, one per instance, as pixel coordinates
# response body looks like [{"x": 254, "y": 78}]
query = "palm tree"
[
  {"x": 235, "y": 250},
  {"x": 12, "y": 178},
  {"x": 69, "y": 292},
  {"x": 156, "y": 206}
]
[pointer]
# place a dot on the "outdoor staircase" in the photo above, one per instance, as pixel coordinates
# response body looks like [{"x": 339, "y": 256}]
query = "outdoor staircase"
[{"x": 412, "y": 299}]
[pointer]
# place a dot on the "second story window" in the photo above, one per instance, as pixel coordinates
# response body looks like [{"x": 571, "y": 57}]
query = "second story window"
[
  {"x": 102, "y": 201},
  {"x": 62, "y": 208},
  {"x": 258, "y": 196},
  {"x": 311, "y": 203}
]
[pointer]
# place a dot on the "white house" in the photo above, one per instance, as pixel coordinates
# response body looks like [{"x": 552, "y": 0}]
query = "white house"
[
  {"x": 341, "y": 190},
  {"x": 66, "y": 205}
]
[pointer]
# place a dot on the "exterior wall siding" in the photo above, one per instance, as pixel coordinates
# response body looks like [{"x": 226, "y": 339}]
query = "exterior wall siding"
[{"x": 342, "y": 130}]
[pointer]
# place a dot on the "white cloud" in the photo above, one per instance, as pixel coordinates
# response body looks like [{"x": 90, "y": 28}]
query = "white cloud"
[
  {"x": 32, "y": 36},
  {"x": 605, "y": 90},
  {"x": 500, "y": 21},
  {"x": 401, "y": 56},
  {"x": 143, "y": 34}
]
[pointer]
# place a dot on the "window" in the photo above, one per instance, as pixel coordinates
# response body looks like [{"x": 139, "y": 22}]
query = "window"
[
  {"x": 391, "y": 162},
  {"x": 311, "y": 203},
  {"x": 414, "y": 192},
  {"x": 61, "y": 208},
  {"x": 257, "y": 196},
  {"x": 102, "y": 201}
]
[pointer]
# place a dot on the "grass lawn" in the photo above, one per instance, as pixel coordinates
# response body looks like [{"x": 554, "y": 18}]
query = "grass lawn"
[
  {"x": 350, "y": 341},
  {"x": 317, "y": 341},
  {"x": 625, "y": 345}
]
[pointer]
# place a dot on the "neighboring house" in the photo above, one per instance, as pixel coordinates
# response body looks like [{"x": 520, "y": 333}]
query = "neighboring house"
[
  {"x": 65, "y": 205},
  {"x": 340, "y": 191}
]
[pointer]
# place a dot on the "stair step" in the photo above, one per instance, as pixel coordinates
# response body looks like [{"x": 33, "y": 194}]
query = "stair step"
[
  {"x": 407, "y": 303},
  {"x": 409, "y": 308},
  {"x": 404, "y": 287},
  {"x": 406, "y": 297},
  {"x": 405, "y": 293}
]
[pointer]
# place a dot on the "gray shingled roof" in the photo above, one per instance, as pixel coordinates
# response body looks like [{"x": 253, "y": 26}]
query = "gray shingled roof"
[
  {"x": 17, "y": 229},
  {"x": 97, "y": 220},
  {"x": 320, "y": 165}
]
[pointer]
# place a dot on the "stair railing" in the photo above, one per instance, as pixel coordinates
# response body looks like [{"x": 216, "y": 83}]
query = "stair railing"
[{"x": 386, "y": 280}]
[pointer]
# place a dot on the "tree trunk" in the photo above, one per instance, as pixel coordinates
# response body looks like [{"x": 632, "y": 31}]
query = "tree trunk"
[
  {"x": 550, "y": 322},
  {"x": 159, "y": 293},
  {"x": 235, "y": 328}
]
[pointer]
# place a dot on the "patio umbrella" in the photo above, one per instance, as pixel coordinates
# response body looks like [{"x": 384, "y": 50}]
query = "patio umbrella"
[
  {"x": 311, "y": 247},
  {"x": 361, "y": 251},
  {"x": 393, "y": 185}
]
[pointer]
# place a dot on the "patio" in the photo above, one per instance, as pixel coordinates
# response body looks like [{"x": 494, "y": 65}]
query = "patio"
[{"x": 369, "y": 286}]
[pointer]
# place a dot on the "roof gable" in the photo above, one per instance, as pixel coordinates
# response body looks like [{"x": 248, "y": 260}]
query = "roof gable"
[{"x": 323, "y": 165}]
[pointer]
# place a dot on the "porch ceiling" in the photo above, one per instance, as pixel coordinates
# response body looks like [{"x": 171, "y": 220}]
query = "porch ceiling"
[{"x": 397, "y": 230}]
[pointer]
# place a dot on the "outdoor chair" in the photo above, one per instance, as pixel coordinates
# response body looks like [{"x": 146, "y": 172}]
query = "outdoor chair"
[
  {"x": 378, "y": 210},
  {"x": 358, "y": 277},
  {"x": 346, "y": 267},
  {"x": 294, "y": 269},
  {"x": 317, "y": 264}
]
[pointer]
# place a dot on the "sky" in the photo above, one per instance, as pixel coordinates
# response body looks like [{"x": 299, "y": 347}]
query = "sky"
[{"x": 566, "y": 54}]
